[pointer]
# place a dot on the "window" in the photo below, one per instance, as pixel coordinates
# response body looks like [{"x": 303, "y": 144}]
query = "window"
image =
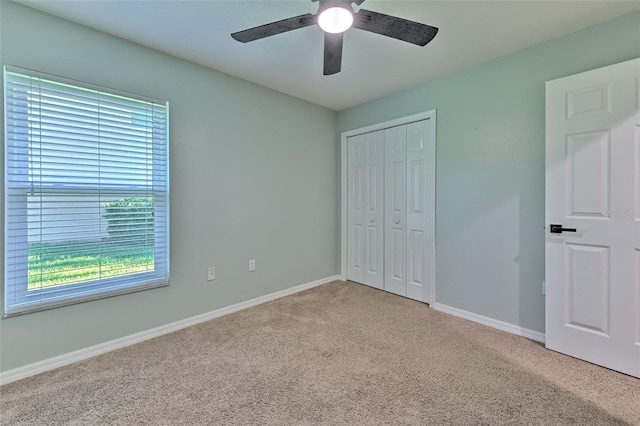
[{"x": 87, "y": 195}]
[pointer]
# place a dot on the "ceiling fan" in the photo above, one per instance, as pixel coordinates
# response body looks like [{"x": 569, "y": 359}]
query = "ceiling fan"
[{"x": 335, "y": 17}]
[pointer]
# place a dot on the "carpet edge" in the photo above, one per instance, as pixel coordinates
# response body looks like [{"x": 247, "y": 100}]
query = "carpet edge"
[{"x": 49, "y": 364}]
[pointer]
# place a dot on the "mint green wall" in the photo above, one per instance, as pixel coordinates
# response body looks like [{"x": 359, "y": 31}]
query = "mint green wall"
[
  {"x": 490, "y": 166},
  {"x": 254, "y": 174}
]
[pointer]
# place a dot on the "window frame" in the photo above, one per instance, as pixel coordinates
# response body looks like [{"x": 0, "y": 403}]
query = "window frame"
[{"x": 24, "y": 300}]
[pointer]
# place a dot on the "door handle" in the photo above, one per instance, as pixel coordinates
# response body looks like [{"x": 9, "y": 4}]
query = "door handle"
[
  {"x": 372, "y": 220},
  {"x": 558, "y": 229}
]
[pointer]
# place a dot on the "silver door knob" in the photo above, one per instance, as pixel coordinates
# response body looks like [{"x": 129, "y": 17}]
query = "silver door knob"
[
  {"x": 397, "y": 221},
  {"x": 371, "y": 220}
]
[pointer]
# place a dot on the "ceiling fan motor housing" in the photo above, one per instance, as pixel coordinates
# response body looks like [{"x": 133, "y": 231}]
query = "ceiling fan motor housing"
[{"x": 345, "y": 4}]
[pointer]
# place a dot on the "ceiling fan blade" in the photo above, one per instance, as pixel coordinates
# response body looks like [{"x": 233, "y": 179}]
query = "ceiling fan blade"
[
  {"x": 332, "y": 53},
  {"x": 394, "y": 27},
  {"x": 274, "y": 28}
]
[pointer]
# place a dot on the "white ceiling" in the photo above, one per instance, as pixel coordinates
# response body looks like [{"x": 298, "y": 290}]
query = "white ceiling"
[{"x": 471, "y": 32}]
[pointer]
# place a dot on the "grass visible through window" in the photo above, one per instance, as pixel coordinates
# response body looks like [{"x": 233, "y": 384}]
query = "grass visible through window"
[{"x": 57, "y": 264}]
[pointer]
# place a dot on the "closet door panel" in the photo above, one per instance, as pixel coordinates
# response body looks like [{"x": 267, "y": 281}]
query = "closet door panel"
[
  {"x": 420, "y": 208},
  {"x": 355, "y": 204},
  {"x": 395, "y": 250},
  {"x": 374, "y": 212}
]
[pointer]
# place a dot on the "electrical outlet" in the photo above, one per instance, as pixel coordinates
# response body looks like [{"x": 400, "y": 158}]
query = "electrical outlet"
[
  {"x": 211, "y": 274},
  {"x": 252, "y": 265}
]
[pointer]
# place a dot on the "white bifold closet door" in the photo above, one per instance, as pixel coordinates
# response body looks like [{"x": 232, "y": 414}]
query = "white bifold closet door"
[
  {"x": 391, "y": 185},
  {"x": 366, "y": 206}
]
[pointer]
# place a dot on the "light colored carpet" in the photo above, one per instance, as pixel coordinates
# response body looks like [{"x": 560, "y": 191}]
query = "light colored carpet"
[{"x": 341, "y": 354}]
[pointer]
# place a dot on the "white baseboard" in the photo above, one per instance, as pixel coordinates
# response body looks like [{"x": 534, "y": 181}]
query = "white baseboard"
[
  {"x": 82, "y": 354},
  {"x": 500, "y": 325}
]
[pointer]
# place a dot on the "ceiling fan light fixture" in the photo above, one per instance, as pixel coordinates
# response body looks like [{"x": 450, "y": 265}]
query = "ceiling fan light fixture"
[
  {"x": 335, "y": 20},
  {"x": 335, "y": 17}
]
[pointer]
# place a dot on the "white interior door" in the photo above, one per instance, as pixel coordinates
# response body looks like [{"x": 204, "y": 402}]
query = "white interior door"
[
  {"x": 355, "y": 205},
  {"x": 395, "y": 212},
  {"x": 593, "y": 192},
  {"x": 409, "y": 209},
  {"x": 388, "y": 225},
  {"x": 421, "y": 154},
  {"x": 365, "y": 209}
]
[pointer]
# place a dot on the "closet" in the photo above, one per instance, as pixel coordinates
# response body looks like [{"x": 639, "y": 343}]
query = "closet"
[{"x": 390, "y": 206}]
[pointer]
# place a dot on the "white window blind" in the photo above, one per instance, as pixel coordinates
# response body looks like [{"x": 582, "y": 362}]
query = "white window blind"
[{"x": 87, "y": 194}]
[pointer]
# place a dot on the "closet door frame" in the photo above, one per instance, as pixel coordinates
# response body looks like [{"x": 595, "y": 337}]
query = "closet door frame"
[{"x": 426, "y": 115}]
